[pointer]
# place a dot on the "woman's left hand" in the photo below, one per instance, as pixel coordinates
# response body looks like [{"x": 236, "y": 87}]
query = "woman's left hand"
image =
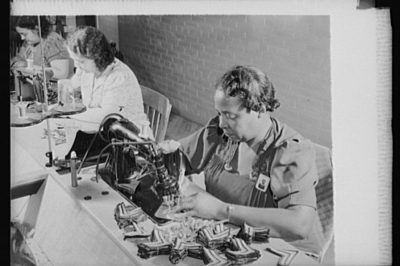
[{"x": 200, "y": 204}]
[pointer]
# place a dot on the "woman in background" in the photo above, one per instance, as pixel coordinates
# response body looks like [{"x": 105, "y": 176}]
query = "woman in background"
[
  {"x": 107, "y": 85},
  {"x": 56, "y": 57}
]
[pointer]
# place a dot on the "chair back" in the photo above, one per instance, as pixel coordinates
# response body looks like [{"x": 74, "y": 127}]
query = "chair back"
[
  {"x": 158, "y": 108},
  {"x": 324, "y": 193}
]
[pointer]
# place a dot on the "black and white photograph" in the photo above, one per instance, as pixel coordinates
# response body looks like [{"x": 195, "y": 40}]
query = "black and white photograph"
[{"x": 193, "y": 138}]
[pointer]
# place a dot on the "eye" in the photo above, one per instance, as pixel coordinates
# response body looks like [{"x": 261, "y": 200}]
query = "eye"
[{"x": 231, "y": 116}]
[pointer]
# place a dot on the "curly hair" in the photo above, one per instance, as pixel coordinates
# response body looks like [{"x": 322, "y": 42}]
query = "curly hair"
[
  {"x": 32, "y": 23},
  {"x": 252, "y": 86},
  {"x": 91, "y": 43}
]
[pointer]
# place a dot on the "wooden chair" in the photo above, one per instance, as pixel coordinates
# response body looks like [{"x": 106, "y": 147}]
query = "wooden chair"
[{"x": 158, "y": 108}]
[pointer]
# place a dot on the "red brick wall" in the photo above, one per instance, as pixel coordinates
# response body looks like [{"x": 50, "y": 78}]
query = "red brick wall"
[{"x": 182, "y": 56}]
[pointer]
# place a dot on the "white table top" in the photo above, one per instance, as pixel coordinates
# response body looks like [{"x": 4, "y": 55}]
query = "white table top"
[{"x": 28, "y": 148}]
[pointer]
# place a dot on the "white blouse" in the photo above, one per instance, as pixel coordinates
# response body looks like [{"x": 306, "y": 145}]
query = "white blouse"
[{"x": 116, "y": 90}]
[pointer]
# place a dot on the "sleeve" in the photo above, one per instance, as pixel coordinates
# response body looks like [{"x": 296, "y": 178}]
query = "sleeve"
[
  {"x": 54, "y": 49},
  {"x": 294, "y": 174},
  {"x": 200, "y": 146},
  {"x": 21, "y": 56},
  {"x": 109, "y": 101},
  {"x": 117, "y": 90}
]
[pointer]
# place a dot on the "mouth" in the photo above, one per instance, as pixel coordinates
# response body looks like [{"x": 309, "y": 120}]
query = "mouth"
[{"x": 230, "y": 135}]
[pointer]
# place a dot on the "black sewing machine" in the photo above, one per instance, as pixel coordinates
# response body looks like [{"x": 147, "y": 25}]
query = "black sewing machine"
[
  {"x": 30, "y": 86},
  {"x": 136, "y": 167}
]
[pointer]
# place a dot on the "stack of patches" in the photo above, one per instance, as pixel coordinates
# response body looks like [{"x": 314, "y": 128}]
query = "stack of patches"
[
  {"x": 214, "y": 237},
  {"x": 250, "y": 234},
  {"x": 286, "y": 256},
  {"x": 241, "y": 253},
  {"x": 178, "y": 251},
  {"x": 157, "y": 246},
  {"x": 195, "y": 250},
  {"x": 217, "y": 243},
  {"x": 215, "y": 258},
  {"x": 125, "y": 214},
  {"x": 127, "y": 218},
  {"x": 133, "y": 230},
  {"x": 181, "y": 250}
]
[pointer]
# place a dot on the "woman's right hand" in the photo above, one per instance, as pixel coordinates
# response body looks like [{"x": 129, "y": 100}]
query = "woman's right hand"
[
  {"x": 200, "y": 204},
  {"x": 169, "y": 146},
  {"x": 17, "y": 62},
  {"x": 28, "y": 51}
]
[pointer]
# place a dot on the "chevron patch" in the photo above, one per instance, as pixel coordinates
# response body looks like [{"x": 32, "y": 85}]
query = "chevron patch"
[
  {"x": 240, "y": 252},
  {"x": 214, "y": 237},
  {"x": 157, "y": 246},
  {"x": 134, "y": 231},
  {"x": 212, "y": 258},
  {"x": 286, "y": 256}
]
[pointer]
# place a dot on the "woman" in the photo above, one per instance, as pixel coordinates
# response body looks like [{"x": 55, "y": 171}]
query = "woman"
[
  {"x": 257, "y": 170},
  {"x": 56, "y": 58},
  {"x": 107, "y": 85}
]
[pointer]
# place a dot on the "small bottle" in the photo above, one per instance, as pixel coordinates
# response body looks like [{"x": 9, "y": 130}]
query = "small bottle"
[
  {"x": 74, "y": 179},
  {"x": 21, "y": 110}
]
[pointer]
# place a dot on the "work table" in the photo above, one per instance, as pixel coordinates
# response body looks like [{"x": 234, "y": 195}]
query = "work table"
[{"x": 72, "y": 230}]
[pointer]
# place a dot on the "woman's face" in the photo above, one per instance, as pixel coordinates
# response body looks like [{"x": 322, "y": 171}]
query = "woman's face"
[
  {"x": 30, "y": 36},
  {"x": 86, "y": 64},
  {"x": 236, "y": 122}
]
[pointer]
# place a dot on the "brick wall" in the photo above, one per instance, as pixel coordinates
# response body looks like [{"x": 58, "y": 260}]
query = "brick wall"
[{"x": 182, "y": 56}]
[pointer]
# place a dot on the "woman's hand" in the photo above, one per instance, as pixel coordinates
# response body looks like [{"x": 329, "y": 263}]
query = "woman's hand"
[
  {"x": 28, "y": 51},
  {"x": 17, "y": 62},
  {"x": 201, "y": 204},
  {"x": 169, "y": 146}
]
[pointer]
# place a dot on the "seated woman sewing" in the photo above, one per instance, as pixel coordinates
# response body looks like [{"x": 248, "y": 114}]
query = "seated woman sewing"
[
  {"x": 257, "y": 170},
  {"x": 106, "y": 84},
  {"x": 56, "y": 57}
]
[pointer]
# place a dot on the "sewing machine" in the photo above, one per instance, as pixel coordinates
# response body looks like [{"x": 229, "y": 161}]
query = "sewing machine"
[
  {"x": 27, "y": 101},
  {"x": 137, "y": 168}
]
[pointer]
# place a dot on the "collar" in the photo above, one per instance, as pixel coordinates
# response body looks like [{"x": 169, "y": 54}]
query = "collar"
[{"x": 109, "y": 68}]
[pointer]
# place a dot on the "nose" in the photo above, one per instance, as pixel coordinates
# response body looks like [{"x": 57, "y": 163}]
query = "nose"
[
  {"x": 22, "y": 37},
  {"x": 222, "y": 122}
]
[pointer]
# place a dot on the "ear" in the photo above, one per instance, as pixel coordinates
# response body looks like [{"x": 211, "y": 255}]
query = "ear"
[{"x": 262, "y": 111}]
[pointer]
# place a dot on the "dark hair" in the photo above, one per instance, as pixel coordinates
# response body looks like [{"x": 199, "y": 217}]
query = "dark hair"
[
  {"x": 91, "y": 43},
  {"x": 32, "y": 23},
  {"x": 252, "y": 86}
]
